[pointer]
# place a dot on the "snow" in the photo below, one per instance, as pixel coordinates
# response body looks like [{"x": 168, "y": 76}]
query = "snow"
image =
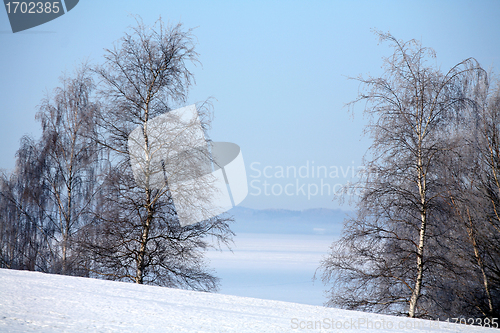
[
  {"x": 37, "y": 302},
  {"x": 276, "y": 253},
  {"x": 272, "y": 266}
]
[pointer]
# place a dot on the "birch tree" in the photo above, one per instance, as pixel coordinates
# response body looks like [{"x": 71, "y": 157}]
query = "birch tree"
[
  {"x": 391, "y": 253},
  {"x": 26, "y": 238},
  {"x": 475, "y": 200},
  {"x": 48, "y": 196},
  {"x": 144, "y": 76},
  {"x": 71, "y": 173}
]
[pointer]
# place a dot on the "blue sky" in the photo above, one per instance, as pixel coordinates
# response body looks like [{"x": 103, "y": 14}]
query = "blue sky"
[{"x": 276, "y": 68}]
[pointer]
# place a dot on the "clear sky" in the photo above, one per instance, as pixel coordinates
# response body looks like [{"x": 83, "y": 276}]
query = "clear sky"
[{"x": 276, "y": 68}]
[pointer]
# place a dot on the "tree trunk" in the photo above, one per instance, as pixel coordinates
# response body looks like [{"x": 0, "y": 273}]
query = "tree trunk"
[
  {"x": 472, "y": 239},
  {"x": 420, "y": 250},
  {"x": 420, "y": 267},
  {"x": 141, "y": 265}
]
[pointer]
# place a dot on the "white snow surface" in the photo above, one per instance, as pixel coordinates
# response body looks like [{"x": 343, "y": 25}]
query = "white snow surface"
[{"x": 38, "y": 302}]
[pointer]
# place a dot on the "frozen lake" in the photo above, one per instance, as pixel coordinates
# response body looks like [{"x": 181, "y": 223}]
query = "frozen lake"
[{"x": 273, "y": 266}]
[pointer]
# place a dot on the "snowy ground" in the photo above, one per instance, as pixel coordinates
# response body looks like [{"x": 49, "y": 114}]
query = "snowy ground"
[{"x": 37, "y": 302}]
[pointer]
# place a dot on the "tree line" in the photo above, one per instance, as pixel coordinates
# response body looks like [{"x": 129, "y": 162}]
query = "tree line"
[
  {"x": 72, "y": 206},
  {"x": 425, "y": 239}
]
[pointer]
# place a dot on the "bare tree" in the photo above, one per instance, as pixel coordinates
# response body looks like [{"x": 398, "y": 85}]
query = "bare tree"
[
  {"x": 488, "y": 258},
  {"x": 25, "y": 240},
  {"x": 139, "y": 237},
  {"x": 76, "y": 205},
  {"x": 391, "y": 254},
  {"x": 71, "y": 174},
  {"x": 48, "y": 196},
  {"x": 475, "y": 200}
]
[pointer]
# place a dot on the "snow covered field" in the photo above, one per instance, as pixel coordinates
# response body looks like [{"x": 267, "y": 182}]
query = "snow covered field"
[{"x": 37, "y": 302}]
